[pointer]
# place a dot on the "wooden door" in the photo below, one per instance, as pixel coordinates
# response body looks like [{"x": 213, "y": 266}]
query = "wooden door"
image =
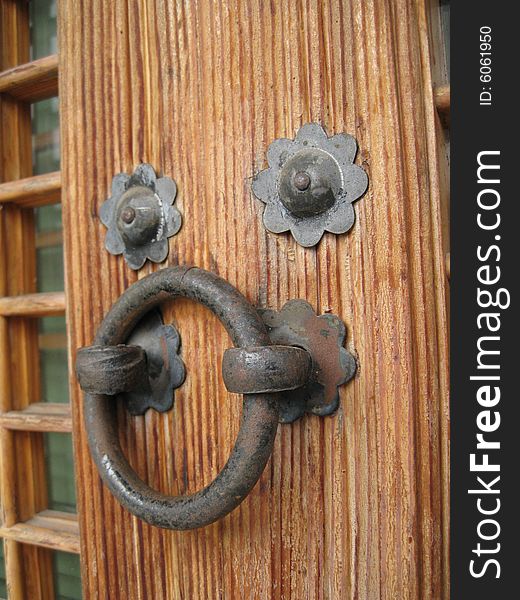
[{"x": 350, "y": 506}]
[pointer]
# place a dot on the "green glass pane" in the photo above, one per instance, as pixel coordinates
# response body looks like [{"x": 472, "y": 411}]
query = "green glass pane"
[
  {"x": 60, "y": 472},
  {"x": 53, "y": 355},
  {"x": 49, "y": 248},
  {"x": 46, "y": 136},
  {"x": 54, "y": 378},
  {"x": 3, "y": 586},
  {"x": 48, "y": 218},
  {"x": 43, "y": 28},
  {"x": 49, "y": 265},
  {"x": 67, "y": 578}
]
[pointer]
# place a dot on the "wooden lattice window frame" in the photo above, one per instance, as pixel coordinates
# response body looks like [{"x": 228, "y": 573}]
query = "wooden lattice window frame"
[{"x": 30, "y": 531}]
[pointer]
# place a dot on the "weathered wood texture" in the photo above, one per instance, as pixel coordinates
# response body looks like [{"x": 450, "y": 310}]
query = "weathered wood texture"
[
  {"x": 439, "y": 149},
  {"x": 352, "y": 506},
  {"x": 443, "y": 99}
]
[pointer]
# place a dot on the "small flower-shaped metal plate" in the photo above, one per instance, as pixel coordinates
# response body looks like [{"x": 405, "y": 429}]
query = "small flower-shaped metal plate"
[
  {"x": 140, "y": 216},
  {"x": 310, "y": 184},
  {"x": 332, "y": 365},
  {"x": 166, "y": 369}
]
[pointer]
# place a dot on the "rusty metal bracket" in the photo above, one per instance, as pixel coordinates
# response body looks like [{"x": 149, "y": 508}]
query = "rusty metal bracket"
[
  {"x": 322, "y": 336},
  {"x": 307, "y": 362},
  {"x": 111, "y": 370},
  {"x": 143, "y": 373},
  {"x": 265, "y": 369}
]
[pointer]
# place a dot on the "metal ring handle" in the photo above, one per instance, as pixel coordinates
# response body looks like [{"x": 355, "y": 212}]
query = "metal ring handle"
[{"x": 260, "y": 413}]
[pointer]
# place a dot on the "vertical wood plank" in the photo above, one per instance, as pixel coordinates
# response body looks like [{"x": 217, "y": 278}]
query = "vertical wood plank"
[
  {"x": 434, "y": 56},
  {"x": 351, "y": 506}
]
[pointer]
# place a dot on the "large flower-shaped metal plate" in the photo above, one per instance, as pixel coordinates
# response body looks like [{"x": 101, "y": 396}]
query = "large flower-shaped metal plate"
[{"x": 310, "y": 184}]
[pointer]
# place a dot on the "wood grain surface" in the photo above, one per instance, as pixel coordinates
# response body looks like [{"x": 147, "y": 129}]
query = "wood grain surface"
[{"x": 352, "y": 506}]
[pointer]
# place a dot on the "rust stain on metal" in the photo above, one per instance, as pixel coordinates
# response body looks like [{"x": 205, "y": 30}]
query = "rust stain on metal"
[{"x": 332, "y": 365}]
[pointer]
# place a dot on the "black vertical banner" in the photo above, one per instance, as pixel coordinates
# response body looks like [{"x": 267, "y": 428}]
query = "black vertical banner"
[{"x": 485, "y": 265}]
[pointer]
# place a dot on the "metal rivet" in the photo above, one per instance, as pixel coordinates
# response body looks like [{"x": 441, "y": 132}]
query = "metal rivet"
[
  {"x": 128, "y": 215},
  {"x": 302, "y": 181}
]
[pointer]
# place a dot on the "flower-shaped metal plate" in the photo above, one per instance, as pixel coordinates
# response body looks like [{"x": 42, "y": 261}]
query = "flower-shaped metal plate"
[
  {"x": 166, "y": 370},
  {"x": 310, "y": 184},
  {"x": 332, "y": 365},
  {"x": 140, "y": 216}
]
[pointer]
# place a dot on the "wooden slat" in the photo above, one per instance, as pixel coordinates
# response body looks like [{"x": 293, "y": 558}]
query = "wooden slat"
[
  {"x": 49, "y": 528},
  {"x": 40, "y": 416},
  {"x": 33, "y": 305},
  {"x": 32, "y": 81},
  {"x": 437, "y": 58},
  {"x": 32, "y": 191}
]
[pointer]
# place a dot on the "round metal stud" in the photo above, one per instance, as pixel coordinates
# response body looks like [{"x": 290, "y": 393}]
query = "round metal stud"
[
  {"x": 301, "y": 181},
  {"x": 309, "y": 183},
  {"x": 140, "y": 216},
  {"x": 128, "y": 215}
]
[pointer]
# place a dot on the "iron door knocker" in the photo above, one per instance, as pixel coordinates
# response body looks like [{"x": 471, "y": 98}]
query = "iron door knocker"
[{"x": 285, "y": 364}]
